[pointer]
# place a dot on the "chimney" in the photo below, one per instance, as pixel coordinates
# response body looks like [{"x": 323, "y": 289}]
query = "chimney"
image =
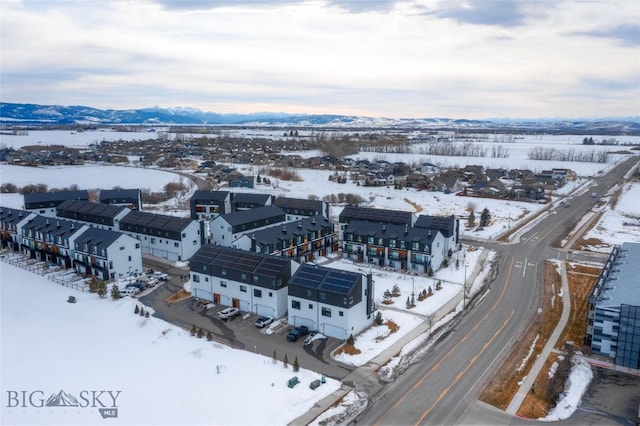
[
  {"x": 406, "y": 229},
  {"x": 384, "y": 227},
  {"x": 313, "y": 221},
  {"x": 299, "y": 225},
  {"x": 57, "y": 224},
  {"x": 284, "y": 229}
]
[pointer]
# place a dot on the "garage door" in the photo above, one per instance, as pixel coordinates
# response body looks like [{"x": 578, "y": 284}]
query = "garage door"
[
  {"x": 298, "y": 321},
  {"x": 202, "y": 294},
  {"x": 225, "y": 300},
  {"x": 264, "y": 311},
  {"x": 157, "y": 252},
  {"x": 172, "y": 256},
  {"x": 245, "y": 306},
  {"x": 334, "y": 331}
]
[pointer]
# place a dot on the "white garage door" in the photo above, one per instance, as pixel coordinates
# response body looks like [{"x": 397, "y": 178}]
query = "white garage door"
[
  {"x": 298, "y": 321},
  {"x": 334, "y": 331},
  {"x": 244, "y": 306},
  {"x": 202, "y": 294},
  {"x": 264, "y": 311}
]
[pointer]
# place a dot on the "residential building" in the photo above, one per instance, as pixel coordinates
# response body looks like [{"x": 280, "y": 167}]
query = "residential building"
[
  {"x": 369, "y": 214},
  {"x": 449, "y": 226},
  {"x": 97, "y": 215},
  {"x": 207, "y": 205},
  {"x": 298, "y": 208},
  {"x": 251, "y": 282},
  {"x": 129, "y": 198},
  {"x": 11, "y": 223},
  {"x": 51, "y": 240},
  {"x": 613, "y": 316},
  {"x": 225, "y": 229},
  {"x": 238, "y": 180},
  {"x": 302, "y": 240},
  {"x": 334, "y": 302},
  {"x": 397, "y": 246},
  {"x": 170, "y": 237},
  {"x": 107, "y": 254},
  {"x": 45, "y": 203},
  {"x": 247, "y": 201}
]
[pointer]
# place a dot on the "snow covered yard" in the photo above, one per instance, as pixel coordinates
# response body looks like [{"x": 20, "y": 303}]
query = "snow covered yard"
[{"x": 164, "y": 375}]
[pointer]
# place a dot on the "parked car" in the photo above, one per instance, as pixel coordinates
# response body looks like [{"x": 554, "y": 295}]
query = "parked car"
[
  {"x": 151, "y": 281},
  {"x": 161, "y": 276},
  {"x": 228, "y": 313},
  {"x": 297, "y": 333},
  {"x": 263, "y": 322},
  {"x": 129, "y": 291},
  {"x": 135, "y": 286}
]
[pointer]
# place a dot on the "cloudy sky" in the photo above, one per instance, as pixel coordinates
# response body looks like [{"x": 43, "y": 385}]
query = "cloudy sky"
[{"x": 417, "y": 58}]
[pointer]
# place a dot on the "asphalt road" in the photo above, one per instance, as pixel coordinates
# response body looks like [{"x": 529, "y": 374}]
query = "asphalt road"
[{"x": 443, "y": 387}]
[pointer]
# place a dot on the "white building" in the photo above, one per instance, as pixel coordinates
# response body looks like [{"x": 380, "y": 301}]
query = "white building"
[
  {"x": 336, "y": 303},
  {"x": 251, "y": 282},
  {"x": 11, "y": 223},
  {"x": 225, "y": 229},
  {"x": 170, "y": 237},
  {"x": 107, "y": 254}
]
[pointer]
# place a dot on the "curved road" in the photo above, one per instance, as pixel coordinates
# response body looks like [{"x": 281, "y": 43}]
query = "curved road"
[{"x": 442, "y": 388}]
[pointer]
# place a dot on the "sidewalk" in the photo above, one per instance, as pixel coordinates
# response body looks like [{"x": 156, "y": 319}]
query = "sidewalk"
[
  {"x": 365, "y": 378},
  {"x": 527, "y": 383}
]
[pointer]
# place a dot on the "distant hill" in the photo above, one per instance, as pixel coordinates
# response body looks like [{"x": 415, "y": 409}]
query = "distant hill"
[{"x": 12, "y": 113}]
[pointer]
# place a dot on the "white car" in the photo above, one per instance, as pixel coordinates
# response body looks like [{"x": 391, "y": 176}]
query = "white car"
[
  {"x": 151, "y": 281},
  {"x": 129, "y": 291},
  {"x": 161, "y": 276},
  {"x": 228, "y": 313}
]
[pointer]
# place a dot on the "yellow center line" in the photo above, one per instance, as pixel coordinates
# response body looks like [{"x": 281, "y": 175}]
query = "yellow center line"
[
  {"x": 461, "y": 373},
  {"x": 448, "y": 354}
]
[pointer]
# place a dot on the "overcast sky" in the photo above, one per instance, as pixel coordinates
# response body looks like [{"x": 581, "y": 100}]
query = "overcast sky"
[{"x": 458, "y": 59}]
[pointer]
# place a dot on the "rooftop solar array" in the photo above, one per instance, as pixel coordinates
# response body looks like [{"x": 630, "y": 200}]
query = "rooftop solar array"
[
  {"x": 43, "y": 197},
  {"x": 328, "y": 279},
  {"x": 298, "y": 203},
  {"x": 210, "y": 195},
  {"x": 445, "y": 223},
  {"x": 155, "y": 221},
  {"x": 375, "y": 215},
  {"x": 239, "y": 260},
  {"x": 89, "y": 208},
  {"x": 253, "y": 215}
]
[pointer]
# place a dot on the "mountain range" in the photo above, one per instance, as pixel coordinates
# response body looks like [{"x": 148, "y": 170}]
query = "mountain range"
[{"x": 16, "y": 113}]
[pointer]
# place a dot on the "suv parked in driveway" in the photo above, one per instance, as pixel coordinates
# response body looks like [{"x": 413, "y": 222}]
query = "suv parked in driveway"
[
  {"x": 297, "y": 333},
  {"x": 228, "y": 313},
  {"x": 263, "y": 322},
  {"x": 161, "y": 276}
]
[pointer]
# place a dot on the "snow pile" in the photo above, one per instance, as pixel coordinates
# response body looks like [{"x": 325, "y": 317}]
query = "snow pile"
[
  {"x": 576, "y": 385},
  {"x": 526, "y": 358},
  {"x": 350, "y": 406}
]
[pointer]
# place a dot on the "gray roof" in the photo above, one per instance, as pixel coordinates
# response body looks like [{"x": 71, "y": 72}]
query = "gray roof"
[
  {"x": 100, "y": 238},
  {"x": 211, "y": 195},
  {"x": 289, "y": 204},
  {"x": 151, "y": 221},
  {"x": 12, "y": 216},
  {"x": 325, "y": 279},
  {"x": 49, "y": 226},
  {"x": 253, "y": 215},
  {"x": 117, "y": 194},
  {"x": 621, "y": 285},
  {"x": 350, "y": 213},
  {"x": 88, "y": 211},
  {"x": 391, "y": 231},
  {"x": 240, "y": 260},
  {"x": 445, "y": 224},
  {"x": 285, "y": 231},
  {"x": 42, "y": 199}
]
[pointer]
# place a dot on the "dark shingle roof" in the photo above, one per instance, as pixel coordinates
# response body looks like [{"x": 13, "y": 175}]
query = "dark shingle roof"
[
  {"x": 210, "y": 195},
  {"x": 285, "y": 231},
  {"x": 35, "y": 199},
  {"x": 117, "y": 194},
  {"x": 12, "y": 216},
  {"x": 253, "y": 215},
  {"x": 56, "y": 227},
  {"x": 289, "y": 204},
  {"x": 391, "y": 231},
  {"x": 375, "y": 215},
  {"x": 101, "y": 238}
]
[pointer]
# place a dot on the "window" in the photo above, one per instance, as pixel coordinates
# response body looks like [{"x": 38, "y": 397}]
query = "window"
[
  {"x": 270, "y": 294},
  {"x": 310, "y": 305},
  {"x": 184, "y": 235},
  {"x": 295, "y": 304},
  {"x": 121, "y": 247},
  {"x": 243, "y": 288},
  {"x": 206, "y": 279},
  {"x": 326, "y": 312},
  {"x": 243, "y": 276},
  {"x": 257, "y": 292},
  {"x": 196, "y": 278},
  {"x": 176, "y": 244},
  {"x": 323, "y": 295},
  {"x": 223, "y": 284},
  {"x": 340, "y": 313},
  {"x": 153, "y": 240},
  {"x": 224, "y": 272},
  {"x": 129, "y": 258},
  {"x": 138, "y": 244}
]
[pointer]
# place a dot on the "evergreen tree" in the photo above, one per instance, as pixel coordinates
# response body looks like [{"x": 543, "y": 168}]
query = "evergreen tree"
[
  {"x": 136, "y": 310},
  {"x": 430, "y": 290},
  {"x": 285, "y": 361},
  {"x": 193, "y": 330},
  {"x": 457, "y": 264},
  {"x": 209, "y": 336},
  {"x": 445, "y": 262},
  {"x": 413, "y": 300},
  {"x": 115, "y": 292},
  {"x": 450, "y": 253},
  {"x": 146, "y": 314},
  {"x": 386, "y": 296},
  {"x": 200, "y": 333},
  {"x": 93, "y": 285},
  {"x": 485, "y": 217},
  {"x": 378, "y": 319},
  {"x": 472, "y": 220},
  {"x": 141, "y": 312},
  {"x": 102, "y": 289},
  {"x": 396, "y": 290},
  {"x": 430, "y": 271},
  {"x": 408, "y": 302},
  {"x": 350, "y": 340},
  {"x": 275, "y": 356},
  {"x": 296, "y": 366}
]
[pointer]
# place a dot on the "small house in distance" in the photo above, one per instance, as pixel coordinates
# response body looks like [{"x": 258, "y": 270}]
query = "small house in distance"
[
  {"x": 45, "y": 203},
  {"x": 336, "y": 303}
]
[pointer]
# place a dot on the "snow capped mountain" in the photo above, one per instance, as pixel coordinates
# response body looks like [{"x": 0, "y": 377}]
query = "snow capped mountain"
[
  {"x": 62, "y": 399},
  {"x": 11, "y": 113}
]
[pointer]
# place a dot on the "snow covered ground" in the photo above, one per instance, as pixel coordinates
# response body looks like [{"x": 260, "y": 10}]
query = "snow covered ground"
[
  {"x": 575, "y": 387},
  {"x": 164, "y": 375}
]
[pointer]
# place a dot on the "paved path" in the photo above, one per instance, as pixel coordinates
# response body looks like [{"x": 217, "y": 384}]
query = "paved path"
[{"x": 527, "y": 383}]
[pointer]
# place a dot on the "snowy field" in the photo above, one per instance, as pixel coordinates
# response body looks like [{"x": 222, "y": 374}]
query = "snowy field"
[{"x": 164, "y": 375}]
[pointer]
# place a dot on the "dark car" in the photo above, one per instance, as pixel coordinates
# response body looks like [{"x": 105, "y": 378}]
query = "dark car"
[{"x": 297, "y": 333}]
